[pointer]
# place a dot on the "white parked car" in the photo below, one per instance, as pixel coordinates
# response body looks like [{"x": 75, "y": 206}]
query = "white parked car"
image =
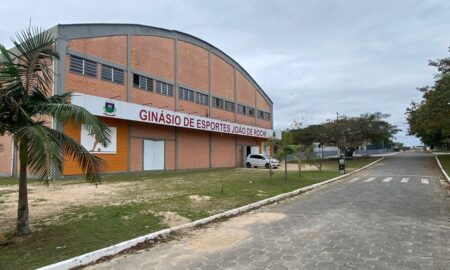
[{"x": 260, "y": 160}]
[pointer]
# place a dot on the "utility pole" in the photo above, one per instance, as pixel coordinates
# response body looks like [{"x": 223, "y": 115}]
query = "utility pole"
[{"x": 337, "y": 116}]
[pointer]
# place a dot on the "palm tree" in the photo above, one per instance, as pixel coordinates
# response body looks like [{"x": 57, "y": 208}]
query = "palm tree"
[{"x": 26, "y": 79}]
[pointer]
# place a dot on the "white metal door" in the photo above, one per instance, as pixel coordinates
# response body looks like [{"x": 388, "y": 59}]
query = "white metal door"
[
  {"x": 158, "y": 158},
  {"x": 153, "y": 155},
  {"x": 254, "y": 150}
]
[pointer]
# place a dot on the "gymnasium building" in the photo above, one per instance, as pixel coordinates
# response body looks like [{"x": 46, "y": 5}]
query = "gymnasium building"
[{"x": 171, "y": 100}]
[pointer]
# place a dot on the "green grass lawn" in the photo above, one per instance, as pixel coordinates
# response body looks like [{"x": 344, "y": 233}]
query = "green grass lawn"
[
  {"x": 87, "y": 228},
  {"x": 445, "y": 162}
]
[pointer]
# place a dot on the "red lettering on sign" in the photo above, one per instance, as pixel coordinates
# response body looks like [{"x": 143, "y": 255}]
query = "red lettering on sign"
[{"x": 143, "y": 115}]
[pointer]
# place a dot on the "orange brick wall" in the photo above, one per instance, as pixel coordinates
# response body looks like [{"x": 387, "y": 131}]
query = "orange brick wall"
[
  {"x": 193, "y": 66},
  {"x": 191, "y": 108},
  {"x": 222, "y": 114},
  {"x": 261, "y": 103},
  {"x": 152, "y": 99},
  {"x": 223, "y": 150},
  {"x": 156, "y": 56},
  {"x": 264, "y": 123},
  {"x": 153, "y": 55},
  {"x": 135, "y": 155},
  {"x": 244, "y": 119},
  {"x": 114, "y": 162},
  {"x": 222, "y": 78},
  {"x": 245, "y": 92},
  {"x": 244, "y": 140},
  {"x": 112, "y": 48},
  {"x": 151, "y": 131},
  {"x": 170, "y": 155},
  {"x": 193, "y": 149},
  {"x": 239, "y": 156},
  {"x": 6, "y": 155}
]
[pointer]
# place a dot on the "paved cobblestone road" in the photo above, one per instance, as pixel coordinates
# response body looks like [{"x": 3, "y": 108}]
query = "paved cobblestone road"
[{"x": 394, "y": 215}]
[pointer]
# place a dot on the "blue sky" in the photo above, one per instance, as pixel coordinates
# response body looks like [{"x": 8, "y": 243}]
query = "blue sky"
[{"x": 313, "y": 58}]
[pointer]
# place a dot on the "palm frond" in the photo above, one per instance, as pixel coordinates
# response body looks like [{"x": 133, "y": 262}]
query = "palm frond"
[
  {"x": 89, "y": 163},
  {"x": 36, "y": 53},
  {"x": 58, "y": 106},
  {"x": 46, "y": 149},
  {"x": 45, "y": 154}
]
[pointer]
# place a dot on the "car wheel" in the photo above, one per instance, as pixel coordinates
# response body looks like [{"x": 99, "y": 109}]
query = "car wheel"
[
  {"x": 267, "y": 166},
  {"x": 248, "y": 165}
]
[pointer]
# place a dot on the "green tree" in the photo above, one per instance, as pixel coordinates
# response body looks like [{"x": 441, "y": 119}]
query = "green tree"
[
  {"x": 25, "y": 104},
  {"x": 311, "y": 157},
  {"x": 348, "y": 133},
  {"x": 286, "y": 147},
  {"x": 429, "y": 119}
]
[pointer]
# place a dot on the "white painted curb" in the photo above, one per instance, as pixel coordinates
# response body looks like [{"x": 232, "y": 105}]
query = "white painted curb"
[
  {"x": 442, "y": 168},
  {"x": 115, "y": 249}
]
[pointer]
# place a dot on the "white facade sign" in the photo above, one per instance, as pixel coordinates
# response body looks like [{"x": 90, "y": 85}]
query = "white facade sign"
[
  {"x": 135, "y": 112},
  {"x": 91, "y": 144}
]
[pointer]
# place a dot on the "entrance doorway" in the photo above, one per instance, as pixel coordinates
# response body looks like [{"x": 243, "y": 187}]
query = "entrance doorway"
[
  {"x": 247, "y": 150},
  {"x": 153, "y": 155}
]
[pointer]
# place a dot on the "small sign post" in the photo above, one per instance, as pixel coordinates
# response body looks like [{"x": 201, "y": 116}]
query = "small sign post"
[{"x": 341, "y": 165}]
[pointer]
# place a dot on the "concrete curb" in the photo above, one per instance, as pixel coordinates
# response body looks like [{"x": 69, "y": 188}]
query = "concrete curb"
[
  {"x": 442, "y": 169},
  {"x": 115, "y": 249}
]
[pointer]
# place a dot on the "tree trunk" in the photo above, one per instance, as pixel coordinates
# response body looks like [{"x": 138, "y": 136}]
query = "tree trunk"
[
  {"x": 23, "y": 226},
  {"x": 285, "y": 167}
]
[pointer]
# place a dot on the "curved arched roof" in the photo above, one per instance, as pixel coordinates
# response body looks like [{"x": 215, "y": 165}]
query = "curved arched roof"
[{"x": 73, "y": 31}]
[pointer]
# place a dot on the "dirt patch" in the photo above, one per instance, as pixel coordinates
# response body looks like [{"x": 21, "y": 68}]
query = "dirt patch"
[
  {"x": 46, "y": 201},
  {"x": 262, "y": 217},
  {"x": 173, "y": 219},
  {"x": 227, "y": 234},
  {"x": 294, "y": 167},
  {"x": 199, "y": 198},
  {"x": 213, "y": 241}
]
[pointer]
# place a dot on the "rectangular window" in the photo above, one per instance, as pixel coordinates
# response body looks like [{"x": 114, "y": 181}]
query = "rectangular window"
[
  {"x": 267, "y": 116},
  {"x": 164, "y": 88},
  {"x": 229, "y": 106},
  {"x": 241, "y": 109},
  {"x": 83, "y": 66},
  {"x": 250, "y": 111},
  {"x": 143, "y": 82},
  {"x": 260, "y": 114},
  {"x": 202, "y": 99},
  {"x": 185, "y": 94},
  {"x": 217, "y": 103},
  {"x": 112, "y": 74}
]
